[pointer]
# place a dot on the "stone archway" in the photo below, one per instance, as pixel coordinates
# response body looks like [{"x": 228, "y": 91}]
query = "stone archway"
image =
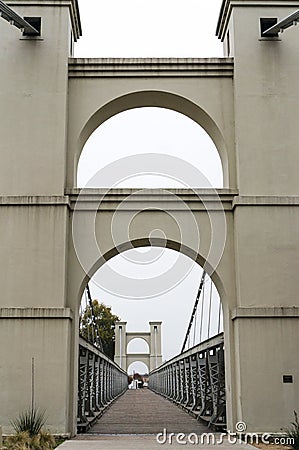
[{"x": 84, "y": 120}]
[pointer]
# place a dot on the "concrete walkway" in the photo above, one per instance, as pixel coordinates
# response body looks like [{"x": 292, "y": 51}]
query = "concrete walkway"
[
  {"x": 134, "y": 421},
  {"x": 141, "y": 443}
]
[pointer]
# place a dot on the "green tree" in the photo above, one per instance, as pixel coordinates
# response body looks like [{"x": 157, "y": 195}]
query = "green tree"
[{"x": 102, "y": 327}]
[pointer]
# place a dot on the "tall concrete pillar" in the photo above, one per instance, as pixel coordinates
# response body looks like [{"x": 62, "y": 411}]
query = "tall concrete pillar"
[
  {"x": 265, "y": 322},
  {"x": 120, "y": 356},
  {"x": 36, "y": 325},
  {"x": 34, "y": 98},
  {"x": 155, "y": 347}
]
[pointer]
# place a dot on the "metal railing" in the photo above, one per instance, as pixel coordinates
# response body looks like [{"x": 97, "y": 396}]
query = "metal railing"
[
  {"x": 101, "y": 381},
  {"x": 195, "y": 380}
]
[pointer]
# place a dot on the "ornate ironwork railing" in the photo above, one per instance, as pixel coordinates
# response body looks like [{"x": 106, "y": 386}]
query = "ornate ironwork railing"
[
  {"x": 195, "y": 380},
  {"x": 101, "y": 381}
]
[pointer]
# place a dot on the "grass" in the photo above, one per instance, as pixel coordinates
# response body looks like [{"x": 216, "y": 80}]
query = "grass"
[{"x": 23, "y": 441}]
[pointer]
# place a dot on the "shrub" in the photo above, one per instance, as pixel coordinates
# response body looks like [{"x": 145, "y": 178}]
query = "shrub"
[
  {"x": 23, "y": 441},
  {"x": 18, "y": 442},
  {"x": 29, "y": 434},
  {"x": 293, "y": 432},
  {"x": 31, "y": 421}
]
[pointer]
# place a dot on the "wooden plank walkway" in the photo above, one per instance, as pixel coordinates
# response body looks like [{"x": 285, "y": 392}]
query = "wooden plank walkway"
[{"x": 142, "y": 411}]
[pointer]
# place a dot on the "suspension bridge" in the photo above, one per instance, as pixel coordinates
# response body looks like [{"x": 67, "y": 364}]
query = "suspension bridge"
[
  {"x": 55, "y": 236},
  {"x": 194, "y": 380}
]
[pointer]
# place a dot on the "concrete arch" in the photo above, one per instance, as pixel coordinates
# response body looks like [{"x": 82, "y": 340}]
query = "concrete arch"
[
  {"x": 164, "y": 99},
  {"x": 144, "y": 338},
  {"x": 214, "y": 273},
  {"x": 139, "y": 361},
  {"x": 222, "y": 274}
]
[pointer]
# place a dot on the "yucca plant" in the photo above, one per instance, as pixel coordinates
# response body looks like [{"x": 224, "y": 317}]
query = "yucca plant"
[
  {"x": 31, "y": 421},
  {"x": 29, "y": 434},
  {"x": 292, "y": 432}
]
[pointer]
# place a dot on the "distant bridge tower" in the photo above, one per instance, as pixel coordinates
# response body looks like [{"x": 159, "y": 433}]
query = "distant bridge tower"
[{"x": 152, "y": 359}]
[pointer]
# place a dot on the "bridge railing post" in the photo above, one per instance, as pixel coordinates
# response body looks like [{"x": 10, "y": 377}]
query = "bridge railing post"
[
  {"x": 195, "y": 380},
  {"x": 101, "y": 381}
]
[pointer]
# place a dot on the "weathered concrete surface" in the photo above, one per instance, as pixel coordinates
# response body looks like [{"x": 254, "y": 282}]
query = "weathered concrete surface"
[{"x": 139, "y": 443}]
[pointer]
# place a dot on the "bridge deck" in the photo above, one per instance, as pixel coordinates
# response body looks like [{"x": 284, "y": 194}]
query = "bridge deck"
[{"x": 144, "y": 412}]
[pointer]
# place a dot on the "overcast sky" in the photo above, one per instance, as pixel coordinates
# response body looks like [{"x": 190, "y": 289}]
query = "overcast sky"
[
  {"x": 156, "y": 28},
  {"x": 152, "y": 28}
]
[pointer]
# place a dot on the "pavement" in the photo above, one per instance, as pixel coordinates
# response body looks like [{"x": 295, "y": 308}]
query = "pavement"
[
  {"x": 146, "y": 442},
  {"x": 143, "y": 420}
]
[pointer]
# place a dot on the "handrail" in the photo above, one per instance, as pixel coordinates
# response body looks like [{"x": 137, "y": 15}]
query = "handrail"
[
  {"x": 203, "y": 346},
  {"x": 101, "y": 381},
  {"x": 195, "y": 380}
]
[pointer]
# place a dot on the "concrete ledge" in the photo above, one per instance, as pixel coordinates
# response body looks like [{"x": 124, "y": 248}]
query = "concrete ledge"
[
  {"x": 33, "y": 200},
  {"x": 265, "y": 200},
  {"x": 266, "y": 313},
  {"x": 150, "y": 67},
  {"x": 166, "y": 199},
  {"x": 89, "y": 196},
  {"x": 36, "y": 313}
]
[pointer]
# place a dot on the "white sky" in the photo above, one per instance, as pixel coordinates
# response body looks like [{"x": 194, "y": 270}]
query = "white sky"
[{"x": 156, "y": 28}]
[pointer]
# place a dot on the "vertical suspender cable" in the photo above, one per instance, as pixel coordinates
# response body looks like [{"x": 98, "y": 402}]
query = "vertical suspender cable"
[
  {"x": 80, "y": 316},
  {"x": 202, "y": 312},
  {"x": 195, "y": 326},
  {"x": 156, "y": 350},
  {"x": 92, "y": 314},
  {"x": 210, "y": 307},
  {"x": 86, "y": 305},
  {"x": 219, "y": 316},
  {"x": 120, "y": 347}
]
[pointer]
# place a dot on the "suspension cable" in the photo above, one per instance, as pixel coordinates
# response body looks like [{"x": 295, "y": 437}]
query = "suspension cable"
[
  {"x": 80, "y": 315},
  {"x": 85, "y": 309},
  {"x": 195, "y": 327},
  {"x": 219, "y": 316},
  {"x": 93, "y": 319},
  {"x": 202, "y": 312},
  {"x": 201, "y": 284},
  {"x": 210, "y": 307}
]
